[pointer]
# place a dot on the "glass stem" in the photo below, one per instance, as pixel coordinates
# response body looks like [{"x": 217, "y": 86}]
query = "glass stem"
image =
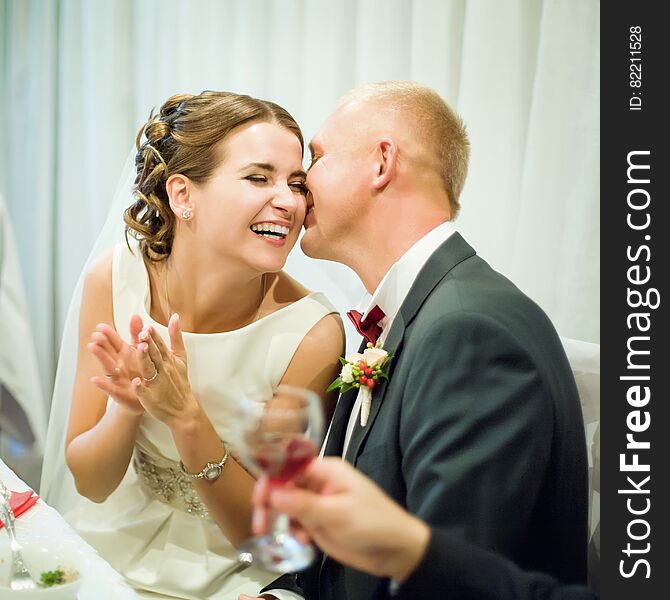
[{"x": 280, "y": 525}]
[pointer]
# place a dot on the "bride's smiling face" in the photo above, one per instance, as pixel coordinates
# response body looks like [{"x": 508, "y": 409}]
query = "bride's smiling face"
[{"x": 253, "y": 206}]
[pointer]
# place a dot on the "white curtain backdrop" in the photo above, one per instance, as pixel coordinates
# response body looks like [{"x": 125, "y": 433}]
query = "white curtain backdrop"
[{"x": 78, "y": 77}]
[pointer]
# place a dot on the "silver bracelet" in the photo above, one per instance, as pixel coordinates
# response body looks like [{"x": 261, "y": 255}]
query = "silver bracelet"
[{"x": 211, "y": 471}]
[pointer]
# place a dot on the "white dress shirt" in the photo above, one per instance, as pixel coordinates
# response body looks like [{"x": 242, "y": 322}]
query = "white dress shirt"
[{"x": 389, "y": 296}]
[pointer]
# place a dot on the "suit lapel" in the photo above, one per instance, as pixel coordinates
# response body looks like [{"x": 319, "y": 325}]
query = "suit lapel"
[
  {"x": 453, "y": 251},
  {"x": 338, "y": 426},
  {"x": 392, "y": 346}
]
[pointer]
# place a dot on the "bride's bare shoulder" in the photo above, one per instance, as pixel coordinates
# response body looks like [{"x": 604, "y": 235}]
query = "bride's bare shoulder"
[
  {"x": 99, "y": 273},
  {"x": 96, "y": 300}
]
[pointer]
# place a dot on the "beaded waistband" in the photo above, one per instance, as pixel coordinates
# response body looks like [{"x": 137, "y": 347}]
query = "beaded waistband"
[{"x": 168, "y": 484}]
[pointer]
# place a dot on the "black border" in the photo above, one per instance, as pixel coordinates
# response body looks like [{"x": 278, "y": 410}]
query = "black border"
[{"x": 623, "y": 131}]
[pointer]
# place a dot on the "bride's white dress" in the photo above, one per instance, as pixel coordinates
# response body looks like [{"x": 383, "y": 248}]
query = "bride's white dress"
[{"x": 154, "y": 529}]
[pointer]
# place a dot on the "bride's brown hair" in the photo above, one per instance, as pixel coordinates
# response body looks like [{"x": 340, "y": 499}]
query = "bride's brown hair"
[{"x": 183, "y": 137}]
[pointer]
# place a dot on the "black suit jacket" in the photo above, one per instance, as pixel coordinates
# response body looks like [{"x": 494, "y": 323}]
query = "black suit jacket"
[
  {"x": 478, "y": 430},
  {"x": 456, "y": 569}
]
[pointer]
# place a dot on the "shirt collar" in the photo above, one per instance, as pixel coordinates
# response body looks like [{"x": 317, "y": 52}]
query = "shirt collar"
[{"x": 394, "y": 287}]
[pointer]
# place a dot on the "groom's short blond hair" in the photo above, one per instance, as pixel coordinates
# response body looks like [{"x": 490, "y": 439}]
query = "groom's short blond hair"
[{"x": 432, "y": 122}]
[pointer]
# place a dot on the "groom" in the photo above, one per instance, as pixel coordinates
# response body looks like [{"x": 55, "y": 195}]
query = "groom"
[{"x": 478, "y": 430}]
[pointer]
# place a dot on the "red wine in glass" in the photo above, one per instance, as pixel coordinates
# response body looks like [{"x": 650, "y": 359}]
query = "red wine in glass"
[{"x": 281, "y": 467}]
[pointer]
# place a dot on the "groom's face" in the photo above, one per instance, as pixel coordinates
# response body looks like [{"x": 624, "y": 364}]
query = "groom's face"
[{"x": 336, "y": 183}]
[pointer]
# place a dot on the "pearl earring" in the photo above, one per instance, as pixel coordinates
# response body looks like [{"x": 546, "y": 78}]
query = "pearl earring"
[{"x": 186, "y": 214}]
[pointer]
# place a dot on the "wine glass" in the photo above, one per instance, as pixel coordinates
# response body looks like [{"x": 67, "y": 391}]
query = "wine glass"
[{"x": 279, "y": 438}]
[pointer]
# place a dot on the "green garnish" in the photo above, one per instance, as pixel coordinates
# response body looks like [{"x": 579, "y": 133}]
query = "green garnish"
[
  {"x": 51, "y": 578},
  {"x": 58, "y": 576}
]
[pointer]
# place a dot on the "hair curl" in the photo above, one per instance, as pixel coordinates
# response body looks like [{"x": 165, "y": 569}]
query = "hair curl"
[{"x": 183, "y": 137}]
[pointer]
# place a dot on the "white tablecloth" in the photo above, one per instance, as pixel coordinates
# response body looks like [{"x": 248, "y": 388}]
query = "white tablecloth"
[{"x": 41, "y": 522}]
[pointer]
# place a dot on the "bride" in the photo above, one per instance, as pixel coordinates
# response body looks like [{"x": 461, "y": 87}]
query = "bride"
[{"x": 219, "y": 203}]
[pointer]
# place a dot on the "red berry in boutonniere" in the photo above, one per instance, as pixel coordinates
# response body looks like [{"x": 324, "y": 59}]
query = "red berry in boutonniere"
[{"x": 363, "y": 372}]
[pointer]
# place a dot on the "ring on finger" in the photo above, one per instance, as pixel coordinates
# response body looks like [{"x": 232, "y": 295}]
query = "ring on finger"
[
  {"x": 150, "y": 379},
  {"x": 116, "y": 373}
]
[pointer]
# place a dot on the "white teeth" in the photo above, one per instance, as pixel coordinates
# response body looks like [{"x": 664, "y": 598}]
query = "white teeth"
[{"x": 271, "y": 228}]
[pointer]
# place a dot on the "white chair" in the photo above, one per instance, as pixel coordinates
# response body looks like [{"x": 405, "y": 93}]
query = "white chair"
[{"x": 584, "y": 360}]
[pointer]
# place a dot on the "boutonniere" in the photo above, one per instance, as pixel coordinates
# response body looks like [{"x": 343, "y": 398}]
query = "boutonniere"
[{"x": 364, "y": 372}]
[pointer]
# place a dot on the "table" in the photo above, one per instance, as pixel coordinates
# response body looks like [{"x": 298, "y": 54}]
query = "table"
[{"x": 41, "y": 522}]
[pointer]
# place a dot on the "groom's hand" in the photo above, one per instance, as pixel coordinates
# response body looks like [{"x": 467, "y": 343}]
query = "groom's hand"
[{"x": 348, "y": 516}]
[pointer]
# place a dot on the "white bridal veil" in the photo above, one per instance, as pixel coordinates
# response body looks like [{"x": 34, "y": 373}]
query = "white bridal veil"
[{"x": 57, "y": 484}]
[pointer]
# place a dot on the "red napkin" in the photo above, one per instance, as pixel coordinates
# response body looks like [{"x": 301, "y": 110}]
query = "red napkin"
[{"x": 20, "y": 502}]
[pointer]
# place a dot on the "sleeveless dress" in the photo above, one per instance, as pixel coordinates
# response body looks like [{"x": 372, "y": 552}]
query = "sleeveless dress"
[{"x": 153, "y": 529}]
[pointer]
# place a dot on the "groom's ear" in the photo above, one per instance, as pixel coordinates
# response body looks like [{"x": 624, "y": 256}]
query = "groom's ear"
[
  {"x": 386, "y": 163},
  {"x": 178, "y": 188}
]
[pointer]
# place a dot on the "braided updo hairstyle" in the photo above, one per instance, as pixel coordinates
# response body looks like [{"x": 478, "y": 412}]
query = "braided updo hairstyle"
[{"x": 183, "y": 138}]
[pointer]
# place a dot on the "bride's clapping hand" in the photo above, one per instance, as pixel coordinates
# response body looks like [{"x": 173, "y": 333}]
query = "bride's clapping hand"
[
  {"x": 163, "y": 387},
  {"x": 120, "y": 361}
]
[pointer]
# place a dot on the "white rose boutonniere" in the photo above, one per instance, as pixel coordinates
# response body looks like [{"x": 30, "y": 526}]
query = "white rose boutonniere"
[
  {"x": 363, "y": 371},
  {"x": 347, "y": 373}
]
